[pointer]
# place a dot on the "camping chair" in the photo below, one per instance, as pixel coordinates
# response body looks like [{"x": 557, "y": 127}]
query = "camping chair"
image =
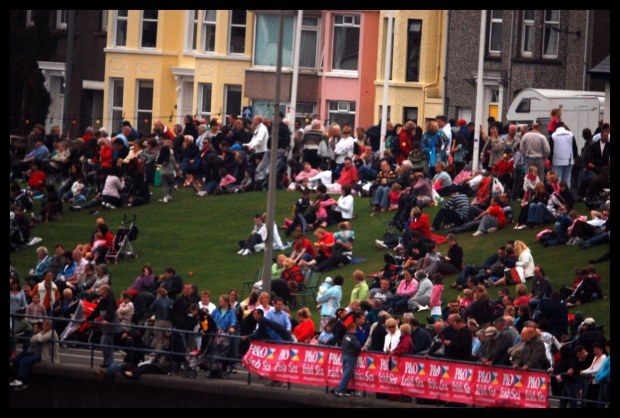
[
  {"x": 248, "y": 286},
  {"x": 308, "y": 289}
]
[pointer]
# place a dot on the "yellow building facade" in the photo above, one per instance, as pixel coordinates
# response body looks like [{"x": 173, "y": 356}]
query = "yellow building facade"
[
  {"x": 418, "y": 57},
  {"x": 164, "y": 64}
]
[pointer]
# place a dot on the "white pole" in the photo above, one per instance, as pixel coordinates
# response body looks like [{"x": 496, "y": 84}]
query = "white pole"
[
  {"x": 292, "y": 110},
  {"x": 479, "y": 91},
  {"x": 386, "y": 79}
]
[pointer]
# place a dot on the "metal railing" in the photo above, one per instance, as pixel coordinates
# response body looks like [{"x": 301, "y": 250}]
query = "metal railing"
[{"x": 129, "y": 328}]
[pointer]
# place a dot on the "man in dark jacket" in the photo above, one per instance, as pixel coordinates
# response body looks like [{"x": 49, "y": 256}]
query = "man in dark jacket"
[
  {"x": 181, "y": 317},
  {"x": 448, "y": 333},
  {"x": 267, "y": 329},
  {"x": 541, "y": 288},
  {"x": 534, "y": 355},
  {"x": 460, "y": 345},
  {"x": 504, "y": 339},
  {"x": 589, "y": 335},
  {"x": 109, "y": 317},
  {"x": 172, "y": 282},
  {"x": 351, "y": 348},
  {"x": 557, "y": 314},
  {"x": 190, "y": 127},
  {"x": 421, "y": 340}
]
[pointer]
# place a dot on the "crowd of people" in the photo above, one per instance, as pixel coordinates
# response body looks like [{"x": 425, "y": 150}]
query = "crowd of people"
[{"x": 418, "y": 169}]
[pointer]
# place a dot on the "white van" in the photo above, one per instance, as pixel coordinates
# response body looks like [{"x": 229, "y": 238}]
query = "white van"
[{"x": 580, "y": 109}]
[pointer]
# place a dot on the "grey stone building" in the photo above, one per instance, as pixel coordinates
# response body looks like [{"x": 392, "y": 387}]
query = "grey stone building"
[{"x": 550, "y": 49}]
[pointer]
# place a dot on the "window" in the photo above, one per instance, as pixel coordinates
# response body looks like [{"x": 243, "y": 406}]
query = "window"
[
  {"x": 346, "y": 42},
  {"x": 232, "y": 97},
  {"x": 121, "y": 28},
  {"x": 149, "y": 29},
  {"x": 465, "y": 113},
  {"x": 265, "y": 108},
  {"x": 61, "y": 19},
  {"x": 410, "y": 113},
  {"x": 192, "y": 30},
  {"x": 342, "y": 113},
  {"x": 144, "y": 110},
  {"x": 552, "y": 34},
  {"x": 116, "y": 103},
  {"x": 495, "y": 32},
  {"x": 309, "y": 39},
  {"x": 204, "y": 100},
  {"x": 386, "y": 24},
  {"x": 104, "y": 21},
  {"x": 29, "y": 19},
  {"x": 389, "y": 112},
  {"x": 414, "y": 41},
  {"x": 527, "y": 43},
  {"x": 236, "y": 38},
  {"x": 208, "y": 31},
  {"x": 524, "y": 106},
  {"x": 266, "y": 45}
]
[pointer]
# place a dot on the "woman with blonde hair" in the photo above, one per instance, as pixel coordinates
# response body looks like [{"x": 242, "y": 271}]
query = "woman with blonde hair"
[
  {"x": 525, "y": 259},
  {"x": 433, "y": 143},
  {"x": 264, "y": 303},
  {"x": 304, "y": 332},
  {"x": 393, "y": 336}
]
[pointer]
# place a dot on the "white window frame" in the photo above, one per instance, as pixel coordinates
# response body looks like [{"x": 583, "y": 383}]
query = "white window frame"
[
  {"x": 225, "y": 114},
  {"x": 236, "y": 25},
  {"x": 60, "y": 22},
  {"x": 317, "y": 29},
  {"x": 526, "y": 23},
  {"x": 551, "y": 23},
  {"x": 343, "y": 108},
  {"x": 104, "y": 20},
  {"x": 29, "y": 21},
  {"x": 199, "y": 109},
  {"x": 203, "y": 35},
  {"x": 137, "y": 103},
  {"x": 142, "y": 20},
  {"x": 491, "y": 22},
  {"x": 348, "y": 21},
  {"x": 191, "y": 25},
  {"x": 115, "y": 20},
  {"x": 111, "y": 107}
]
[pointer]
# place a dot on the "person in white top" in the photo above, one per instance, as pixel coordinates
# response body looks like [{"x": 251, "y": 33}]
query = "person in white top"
[
  {"x": 345, "y": 147},
  {"x": 525, "y": 259},
  {"x": 393, "y": 336},
  {"x": 323, "y": 177},
  {"x": 258, "y": 144},
  {"x": 597, "y": 363},
  {"x": 445, "y": 127},
  {"x": 563, "y": 152}
]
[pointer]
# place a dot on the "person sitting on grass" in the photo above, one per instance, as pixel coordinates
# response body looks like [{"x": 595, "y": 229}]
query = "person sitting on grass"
[
  {"x": 454, "y": 212},
  {"x": 324, "y": 245},
  {"x": 302, "y": 249},
  {"x": 452, "y": 263},
  {"x": 491, "y": 219}
]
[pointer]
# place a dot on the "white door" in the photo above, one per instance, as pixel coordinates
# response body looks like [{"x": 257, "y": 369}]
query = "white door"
[{"x": 187, "y": 100}]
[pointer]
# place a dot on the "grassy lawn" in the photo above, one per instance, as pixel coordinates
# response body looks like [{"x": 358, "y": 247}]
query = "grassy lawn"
[{"x": 198, "y": 237}]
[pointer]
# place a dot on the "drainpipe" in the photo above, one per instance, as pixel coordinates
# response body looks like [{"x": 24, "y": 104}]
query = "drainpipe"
[
  {"x": 386, "y": 80},
  {"x": 437, "y": 69},
  {"x": 509, "y": 95},
  {"x": 585, "y": 52},
  {"x": 445, "y": 64}
]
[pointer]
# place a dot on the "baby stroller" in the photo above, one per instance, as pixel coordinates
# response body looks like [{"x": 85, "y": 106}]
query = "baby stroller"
[
  {"x": 261, "y": 176},
  {"x": 122, "y": 241},
  {"x": 218, "y": 346},
  {"x": 391, "y": 270}
]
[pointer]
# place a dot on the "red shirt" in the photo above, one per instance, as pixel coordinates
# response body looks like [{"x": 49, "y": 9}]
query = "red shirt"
[
  {"x": 106, "y": 156},
  {"x": 305, "y": 245},
  {"x": 497, "y": 212},
  {"x": 37, "y": 180},
  {"x": 348, "y": 176},
  {"x": 405, "y": 146},
  {"x": 328, "y": 239},
  {"x": 292, "y": 274},
  {"x": 423, "y": 226},
  {"x": 504, "y": 167},
  {"x": 109, "y": 240},
  {"x": 304, "y": 332},
  {"x": 522, "y": 300}
]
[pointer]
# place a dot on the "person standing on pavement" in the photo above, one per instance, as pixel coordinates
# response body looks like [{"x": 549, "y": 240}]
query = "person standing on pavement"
[
  {"x": 351, "y": 348},
  {"x": 109, "y": 317},
  {"x": 535, "y": 148}
]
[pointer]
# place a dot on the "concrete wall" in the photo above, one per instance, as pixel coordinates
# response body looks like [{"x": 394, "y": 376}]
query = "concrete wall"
[{"x": 67, "y": 386}]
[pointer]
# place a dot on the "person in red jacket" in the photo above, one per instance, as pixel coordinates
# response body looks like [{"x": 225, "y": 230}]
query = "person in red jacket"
[
  {"x": 405, "y": 142},
  {"x": 405, "y": 344},
  {"x": 504, "y": 169},
  {"x": 348, "y": 175},
  {"x": 304, "y": 332},
  {"x": 36, "y": 184},
  {"x": 105, "y": 153},
  {"x": 420, "y": 222}
]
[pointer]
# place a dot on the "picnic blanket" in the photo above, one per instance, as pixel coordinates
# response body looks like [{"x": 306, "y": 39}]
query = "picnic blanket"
[{"x": 354, "y": 260}]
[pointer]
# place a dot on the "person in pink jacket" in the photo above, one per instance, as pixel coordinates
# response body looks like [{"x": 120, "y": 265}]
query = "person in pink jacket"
[
  {"x": 406, "y": 288},
  {"x": 435, "y": 303}
]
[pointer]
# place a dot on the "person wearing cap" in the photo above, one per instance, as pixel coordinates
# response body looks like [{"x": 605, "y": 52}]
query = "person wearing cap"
[
  {"x": 589, "y": 335},
  {"x": 454, "y": 212},
  {"x": 487, "y": 348}
]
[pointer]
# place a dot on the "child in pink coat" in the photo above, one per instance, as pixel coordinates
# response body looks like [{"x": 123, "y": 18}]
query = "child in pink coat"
[{"x": 435, "y": 302}]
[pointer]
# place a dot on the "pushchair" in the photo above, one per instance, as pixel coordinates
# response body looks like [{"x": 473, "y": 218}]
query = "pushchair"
[
  {"x": 122, "y": 241},
  {"x": 393, "y": 266},
  {"x": 261, "y": 176},
  {"x": 217, "y": 346}
]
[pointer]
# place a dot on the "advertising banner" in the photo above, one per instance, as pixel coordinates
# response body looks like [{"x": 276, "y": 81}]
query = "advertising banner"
[{"x": 415, "y": 377}]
